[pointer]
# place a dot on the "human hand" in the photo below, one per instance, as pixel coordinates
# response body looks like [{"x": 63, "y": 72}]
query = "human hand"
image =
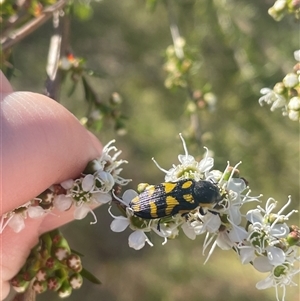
[{"x": 41, "y": 144}]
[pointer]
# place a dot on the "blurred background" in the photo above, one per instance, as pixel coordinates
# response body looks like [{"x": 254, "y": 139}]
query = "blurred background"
[{"x": 238, "y": 49}]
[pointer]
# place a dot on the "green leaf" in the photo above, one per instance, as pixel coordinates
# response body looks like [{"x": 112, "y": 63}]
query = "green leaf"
[
  {"x": 90, "y": 95},
  {"x": 72, "y": 88},
  {"x": 77, "y": 253},
  {"x": 89, "y": 276}
]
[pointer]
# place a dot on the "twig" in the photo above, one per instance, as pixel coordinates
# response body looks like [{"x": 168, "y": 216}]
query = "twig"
[
  {"x": 32, "y": 25},
  {"x": 174, "y": 31},
  {"x": 59, "y": 44}
]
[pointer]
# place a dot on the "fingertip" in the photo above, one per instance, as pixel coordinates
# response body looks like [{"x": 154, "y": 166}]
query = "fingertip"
[{"x": 5, "y": 86}]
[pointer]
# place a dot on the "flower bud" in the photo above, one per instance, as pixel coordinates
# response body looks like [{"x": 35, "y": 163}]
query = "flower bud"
[
  {"x": 52, "y": 263},
  {"x": 59, "y": 242},
  {"x": 74, "y": 262},
  {"x": 65, "y": 290},
  {"x": 276, "y": 15},
  {"x": 61, "y": 253},
  {"x": 142, "y": 187},
  {"x": 279, "y": 88},
  {"x": 294, "y": 104},
  {"x": 39, "y": 286},
  {"x": 19, "y": 284},
  {"x": 293, "y": 238},
  {"x": 54, "y": 283},
  {"x": 115, "y": 99},
  {"x": 76, "y": 281},
  {"x": 295, "y": 4},
  {"x": 29, "y": 274},
  {"x": 290, "y": 80},
  {"x": 42, "y": 274}
]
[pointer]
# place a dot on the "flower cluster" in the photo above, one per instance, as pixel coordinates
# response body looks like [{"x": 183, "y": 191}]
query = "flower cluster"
[
  {"x": 285, "y": 94},
  {"x": 51, "y": 265},
  {"x": 178, "y": 64},
  {"x": 259, "y": 237},
  {"x": 271, "y": 246},
  {"x": 92, "y": 188},
  {"x": 283, "y": 7}
]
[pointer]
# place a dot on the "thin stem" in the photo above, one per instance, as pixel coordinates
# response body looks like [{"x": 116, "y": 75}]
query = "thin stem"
[
  {"x": 195, "y": 126},
  {"x": 174, "y": 31},
  {"x": 59, "y": 45},
  {"x": 22, "y": 32}
]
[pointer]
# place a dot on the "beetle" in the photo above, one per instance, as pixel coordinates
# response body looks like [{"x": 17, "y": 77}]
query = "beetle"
[{"x": 170, "y": 198}]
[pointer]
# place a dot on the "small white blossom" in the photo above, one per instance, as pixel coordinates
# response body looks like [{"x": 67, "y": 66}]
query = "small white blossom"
[
  {"x": 110, "y": 164},
  {"x": 280, "y": 277},
  {"x": 271, "y": 98},
  {"x": 16, "y": 219},
  {"x": 188, "y": 168},
  {"x": 138, "y": 238}
]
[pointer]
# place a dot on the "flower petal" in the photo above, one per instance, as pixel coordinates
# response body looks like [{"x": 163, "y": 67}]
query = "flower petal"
[
  {"x": 137, "y": 239},
  {"x": 265, "y": 283},
  {"x": 62, "y": 202},
  {"x": 276, "y": 256},
  {"x": 87, "y": 183},
  {"x": 188, "y": 231},
  {"x": 81, "y": 211},
  {"x": 254, "y": 216},
  {"x": 119, "y": 224},
  {"x": 247, "y": 254},
  {"x": 101, "y": 197},
  {"x": 262, "y": 264},
  {"x": 35, "y": 211},
  {"x": 67, "y": 184},
  {"x": 17, "y": 223},
  {"x": 129, "y": 195}
]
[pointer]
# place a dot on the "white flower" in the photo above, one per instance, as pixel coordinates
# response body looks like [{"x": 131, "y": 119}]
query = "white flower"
[
  {"x": 84, "y": 193},
  {"x": 189, "y": 167},
  {"x": 267, "y": 232},
  {"x": 280, "y": 277},
  {"x": 271, "y": 98},
  {"x": 106, "y": 179},
  {"x": 138, "y": 238},
  {"x": 109, "y": 163},
  {"x": 16, "y": 219}
]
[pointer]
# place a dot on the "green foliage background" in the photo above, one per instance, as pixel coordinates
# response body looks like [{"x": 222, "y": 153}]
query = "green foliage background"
[{"x": 240, "y": 49}]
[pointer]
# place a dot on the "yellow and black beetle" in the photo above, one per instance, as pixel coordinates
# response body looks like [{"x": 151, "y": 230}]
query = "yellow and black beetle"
[{"x": 170, "y": 198}]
